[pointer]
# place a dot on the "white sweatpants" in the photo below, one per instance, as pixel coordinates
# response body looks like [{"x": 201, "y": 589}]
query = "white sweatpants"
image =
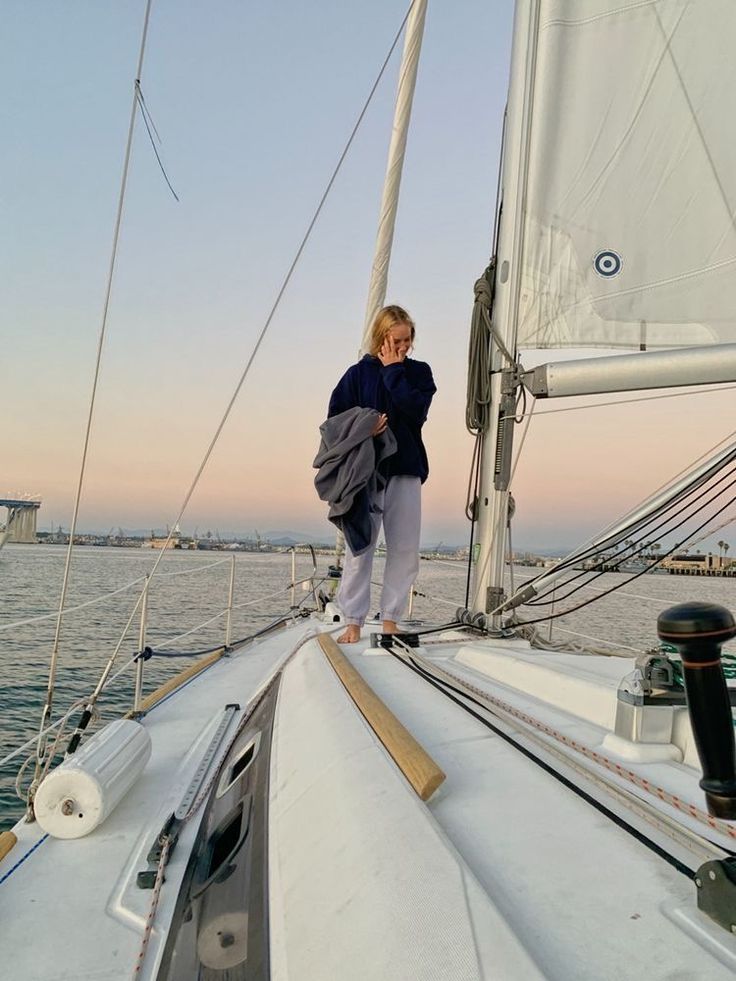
[{"x": 401, "y": 504}]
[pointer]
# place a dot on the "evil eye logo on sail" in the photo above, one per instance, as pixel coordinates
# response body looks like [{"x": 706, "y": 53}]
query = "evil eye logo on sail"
[{"x": 607, "y": 263}]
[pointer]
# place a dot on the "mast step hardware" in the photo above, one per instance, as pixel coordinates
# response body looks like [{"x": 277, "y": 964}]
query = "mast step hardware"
[
  {"x": 495, "y": 596},
  {"x": 716, "y": 882},
  {"x": 387, "y": 640}
]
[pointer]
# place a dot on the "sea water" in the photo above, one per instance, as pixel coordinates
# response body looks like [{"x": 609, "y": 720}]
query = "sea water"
[{"x": 190, "y": 588}]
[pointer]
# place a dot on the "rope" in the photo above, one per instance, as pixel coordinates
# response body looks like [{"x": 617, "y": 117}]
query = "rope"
[
  {"x": 72, "y": 609},
  {"x": 478, "y": 404},
  {"x": 547, "y": 644},
  {"x": 193, "y": 571},
  {"x": 173, "y": 640},
  {"x": 54, "y": 655},
  {"x": 598, "y": 640},
  {"x": 281, "y": 291},
  {"x": 643, "y": 398},
  {"x": 22, "y": 860},
  {"x": 434, "y": 599},
  {"x": 106, "y": 596},
  {"x": 154, "y": 904},
  {"x": 150, "y": 125},
  {"x": 649, "y": 788},
  {"x": 98, "y": 361}
]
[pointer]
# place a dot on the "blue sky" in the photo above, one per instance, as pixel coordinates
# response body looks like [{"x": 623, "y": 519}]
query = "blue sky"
[{"x": 254, "y": 103}]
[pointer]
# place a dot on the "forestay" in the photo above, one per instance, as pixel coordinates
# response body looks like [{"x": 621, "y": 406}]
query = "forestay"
[{"x": 628, "y": 226}]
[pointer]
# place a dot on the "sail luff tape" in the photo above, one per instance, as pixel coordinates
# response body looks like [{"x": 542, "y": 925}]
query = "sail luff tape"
[
  {"x": 412, "y": 759},
  {"x": 82, "y": 791},
  {"x": 7, "y": 841}
]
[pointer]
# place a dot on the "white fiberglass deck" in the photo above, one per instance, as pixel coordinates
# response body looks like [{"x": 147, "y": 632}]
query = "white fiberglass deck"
[{"x": 506, "y": 873}]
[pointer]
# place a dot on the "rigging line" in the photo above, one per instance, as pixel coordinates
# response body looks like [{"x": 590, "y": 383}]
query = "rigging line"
[
  {"x": 480, "y": 575},
  {"x": 262, "y": 599},
  {"x": 508, "y": 729},
  {"x": 450, "y": 562},
  {"x": 29, "y": 742},
  {"x": 145, "y": 117},
  {"x": 267, "y": 324},
  {"x": 283, "y": 287},
  {"x": 643, "y": 398},
  {"x": 46, "y": 714},
  {"x": 607, "y": 643},
  {"x": 72, "y": 609},
  {"x": 79, "y": 703},
  {"x": 540, "y": 601},
  {"x": 147, "y": 111},
  {"x": 111, "y": 660},
  {"x": 193, "y": 630},
  {"x": 617, "y": 530},
  {"x": 625, "y": 555},
  {"x": 614, "y": 588},
  {"x": 663, "y": 511},
  {"x": 471, "y": 509},
  {"x": 192, "y": 572}
]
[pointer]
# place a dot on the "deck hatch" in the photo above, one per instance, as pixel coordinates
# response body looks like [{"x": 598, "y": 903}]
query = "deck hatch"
[{"x": 239, "y": 765}]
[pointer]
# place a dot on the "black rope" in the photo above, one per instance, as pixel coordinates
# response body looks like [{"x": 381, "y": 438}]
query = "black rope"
[
  {"x": 537, "y": 603},
  {"x": 460, "y": 697},
  {"x": 471, "y": 507},
  {"x": 149, "y": 124},
  {"x": 640, "y": 525},
  {"x": 704, "y": 499}
]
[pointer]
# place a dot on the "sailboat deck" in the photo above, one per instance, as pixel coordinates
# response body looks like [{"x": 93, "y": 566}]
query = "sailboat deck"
[{"x": 491, "y": 879}]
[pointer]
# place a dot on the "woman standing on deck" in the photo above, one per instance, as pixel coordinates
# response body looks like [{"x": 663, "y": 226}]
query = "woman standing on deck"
[{"x": 401, "y": 389}]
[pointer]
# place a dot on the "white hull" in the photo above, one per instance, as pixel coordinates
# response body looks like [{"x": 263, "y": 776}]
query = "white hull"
[{"x": 505, "y": 873}]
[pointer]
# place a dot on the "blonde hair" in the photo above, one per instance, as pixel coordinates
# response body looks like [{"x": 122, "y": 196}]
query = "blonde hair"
[{"x": 385, "y": 319}]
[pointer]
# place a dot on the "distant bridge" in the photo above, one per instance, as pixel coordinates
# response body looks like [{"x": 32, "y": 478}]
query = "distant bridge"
[{"x": 21, "y": 523}]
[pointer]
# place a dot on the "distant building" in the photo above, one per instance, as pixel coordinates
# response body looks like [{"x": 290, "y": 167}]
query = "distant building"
[{"x": 696, "y": 563}]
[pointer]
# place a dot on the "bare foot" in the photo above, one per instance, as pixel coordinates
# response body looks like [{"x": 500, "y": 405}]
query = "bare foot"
[
  {"x": 389, "y": 627},
  {"x": 350, "y": 635}
]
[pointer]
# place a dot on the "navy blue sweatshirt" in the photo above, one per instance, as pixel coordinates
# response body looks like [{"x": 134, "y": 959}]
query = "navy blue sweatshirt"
[{"x": 404, "y": 392}]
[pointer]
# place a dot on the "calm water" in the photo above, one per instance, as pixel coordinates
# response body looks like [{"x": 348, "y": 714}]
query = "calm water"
[{"x": 189, "y": 588}]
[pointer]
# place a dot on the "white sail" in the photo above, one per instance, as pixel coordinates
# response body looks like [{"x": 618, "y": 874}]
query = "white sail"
[{"x": 628, "y": 218}]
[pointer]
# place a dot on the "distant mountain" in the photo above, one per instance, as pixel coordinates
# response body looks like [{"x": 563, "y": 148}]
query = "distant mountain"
[{"x": 281, "y": 537}]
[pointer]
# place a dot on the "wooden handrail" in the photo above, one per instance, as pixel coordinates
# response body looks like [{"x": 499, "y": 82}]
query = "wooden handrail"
[{"x": 412, "y": 759}]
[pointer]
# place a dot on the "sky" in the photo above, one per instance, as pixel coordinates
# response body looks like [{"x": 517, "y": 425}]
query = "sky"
[{"x": 254, "y": 103}]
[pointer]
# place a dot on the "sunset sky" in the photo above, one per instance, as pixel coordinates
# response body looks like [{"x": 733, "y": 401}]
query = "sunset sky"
[{"x": 254, "y": 103}]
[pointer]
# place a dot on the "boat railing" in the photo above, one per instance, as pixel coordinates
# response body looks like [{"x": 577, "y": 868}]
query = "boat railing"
[
  {"x": 169, "y": 647},
  {"x": 310, "y": 579}
]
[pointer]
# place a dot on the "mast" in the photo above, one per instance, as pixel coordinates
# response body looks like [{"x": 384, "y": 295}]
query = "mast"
[
  {"x": 493, "y": 497},
  {"x": 392, "y": 182},
  {"x": 394, "y": 167}
]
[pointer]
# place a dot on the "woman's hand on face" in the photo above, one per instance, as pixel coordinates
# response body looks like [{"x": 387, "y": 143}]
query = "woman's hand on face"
[
  {"x": 380, "y": 425},
  {"x": 389, "y": 353}
]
